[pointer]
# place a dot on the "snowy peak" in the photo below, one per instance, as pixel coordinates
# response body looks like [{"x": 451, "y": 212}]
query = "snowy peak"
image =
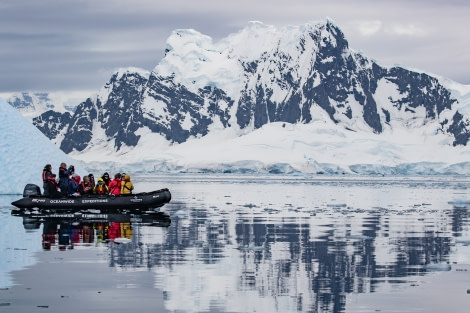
[
  {"x": 192, "y": 60},
  {"x": 187, "y": 40},
  {"x": 48, "y": 114},
  {"x": 195, "y": 61},
  {"x": 258, "y": 39},
  {"x": 31, "y": 104},
  {"x": 251, "y": 42}
]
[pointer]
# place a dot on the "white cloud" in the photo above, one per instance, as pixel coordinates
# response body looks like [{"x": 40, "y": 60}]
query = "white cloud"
[
  {"x": 412, "y": 30},
  {"x": 369, "y": 28},
  {"x": 55, "y": 46},
  {"x": 373, "y": 27}
]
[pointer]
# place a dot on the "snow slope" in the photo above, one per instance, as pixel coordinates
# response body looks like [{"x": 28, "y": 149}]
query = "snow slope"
[
  {"x": 25, "y": 151},
  {"x": 283, "y": 148}
]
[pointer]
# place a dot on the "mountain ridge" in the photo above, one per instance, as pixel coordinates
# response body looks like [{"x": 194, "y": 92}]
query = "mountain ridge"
[{"x": 200, "y": 87}]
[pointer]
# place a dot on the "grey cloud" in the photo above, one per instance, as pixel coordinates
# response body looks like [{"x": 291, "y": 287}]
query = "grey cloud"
[{"x": 55, "y": 45}]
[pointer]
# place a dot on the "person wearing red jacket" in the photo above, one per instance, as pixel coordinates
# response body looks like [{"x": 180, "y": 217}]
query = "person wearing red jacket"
[{"x": 115, "y": 185}]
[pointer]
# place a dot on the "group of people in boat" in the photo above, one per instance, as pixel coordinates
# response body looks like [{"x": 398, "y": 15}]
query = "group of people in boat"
[{"x": 70, "y": 183}]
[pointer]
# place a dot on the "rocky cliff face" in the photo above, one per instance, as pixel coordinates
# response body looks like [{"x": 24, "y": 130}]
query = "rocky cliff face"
[{"x": 257, "y": 76}]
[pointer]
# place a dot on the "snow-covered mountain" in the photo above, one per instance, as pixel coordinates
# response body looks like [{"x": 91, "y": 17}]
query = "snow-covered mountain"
[
  {"x": 49, "y": 115},
  {"x": 275, "y": 100},
  {"x": 30, "y": 104},
  {"x": 33, "y": 104}
]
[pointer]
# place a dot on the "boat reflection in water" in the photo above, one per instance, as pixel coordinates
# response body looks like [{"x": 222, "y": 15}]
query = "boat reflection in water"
[{"x": 66, "y": 230}]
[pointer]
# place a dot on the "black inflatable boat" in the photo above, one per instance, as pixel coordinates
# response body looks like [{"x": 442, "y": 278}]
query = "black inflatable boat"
[{"x": 32, "y": 198}]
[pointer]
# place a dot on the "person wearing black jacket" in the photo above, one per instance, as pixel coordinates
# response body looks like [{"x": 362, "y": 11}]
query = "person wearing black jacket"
[
  {"x": 106, "y": 178},
  {"x": 46, "y": 176},
  {"x": 51, "y": 188}
]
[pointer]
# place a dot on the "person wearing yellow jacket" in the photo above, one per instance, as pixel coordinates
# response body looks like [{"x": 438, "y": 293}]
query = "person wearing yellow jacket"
[
  {"x": 101, "y": 188},
  {"x": 126, "y": 185}
]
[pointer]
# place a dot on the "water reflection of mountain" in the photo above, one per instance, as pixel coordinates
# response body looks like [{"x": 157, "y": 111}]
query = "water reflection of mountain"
[
  {"x": 254, "y": 259},
  {"x": 301, "y": 263}
]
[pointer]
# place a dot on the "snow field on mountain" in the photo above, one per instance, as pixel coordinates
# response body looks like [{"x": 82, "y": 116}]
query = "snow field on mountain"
[{"x": 287, "y": 148}]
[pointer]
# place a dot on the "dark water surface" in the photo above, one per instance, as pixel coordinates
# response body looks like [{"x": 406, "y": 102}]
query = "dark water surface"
[{"x": 250, "y": 244}]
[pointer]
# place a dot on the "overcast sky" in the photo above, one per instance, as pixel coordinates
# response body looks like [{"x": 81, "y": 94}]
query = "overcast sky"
[{"x": 75, "y": 45}]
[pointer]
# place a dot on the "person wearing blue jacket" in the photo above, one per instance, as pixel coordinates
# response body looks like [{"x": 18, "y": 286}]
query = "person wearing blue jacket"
[
  {"x": 73, "y": 185},
  {"x": 64, "y": 177}
]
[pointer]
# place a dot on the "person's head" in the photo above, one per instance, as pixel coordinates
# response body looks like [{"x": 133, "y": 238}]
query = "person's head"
[
  {"x": 127, "y": 177},
  {"x": 86, "y": 180},
  {"x": 100, "y": 181},
  {"x": 48, "y": 167},
  {"x": 106, "y": 176},
  {"x": 117, "y": 175},
  {"x": 76, "y": 178},
  {"x": 63, "y": 165}
]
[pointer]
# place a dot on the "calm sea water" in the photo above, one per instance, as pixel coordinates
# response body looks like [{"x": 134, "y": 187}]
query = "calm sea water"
[{"x": 251, "y": 244}]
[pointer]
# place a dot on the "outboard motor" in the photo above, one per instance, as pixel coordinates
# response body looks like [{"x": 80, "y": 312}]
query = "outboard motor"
[{"x": 31, "y": 190}]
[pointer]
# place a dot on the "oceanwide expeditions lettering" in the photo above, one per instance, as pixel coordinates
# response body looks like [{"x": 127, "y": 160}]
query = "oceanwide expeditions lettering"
[
  {"x": 72, "y": 201},
  {"x": 94, "y": 200},
  {"x": 63, "y": 201}
]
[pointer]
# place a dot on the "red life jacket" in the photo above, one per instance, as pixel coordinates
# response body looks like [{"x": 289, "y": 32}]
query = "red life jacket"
[
  {"x": 83, "y": 187},
  {"x": 46, "y": 175}
]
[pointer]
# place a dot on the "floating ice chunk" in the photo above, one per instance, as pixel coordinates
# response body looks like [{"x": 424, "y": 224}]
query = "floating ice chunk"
[
  {"x": 459, "y": 203},
  {"x": 438, "y": 267},
  {"x": 464, "y": 241},
  {"x": 250, "y": 206},
  {"x": 336, "y": 205},
  {"x": 181, "y": 214},
  {"x": 122, "y": 240}
]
